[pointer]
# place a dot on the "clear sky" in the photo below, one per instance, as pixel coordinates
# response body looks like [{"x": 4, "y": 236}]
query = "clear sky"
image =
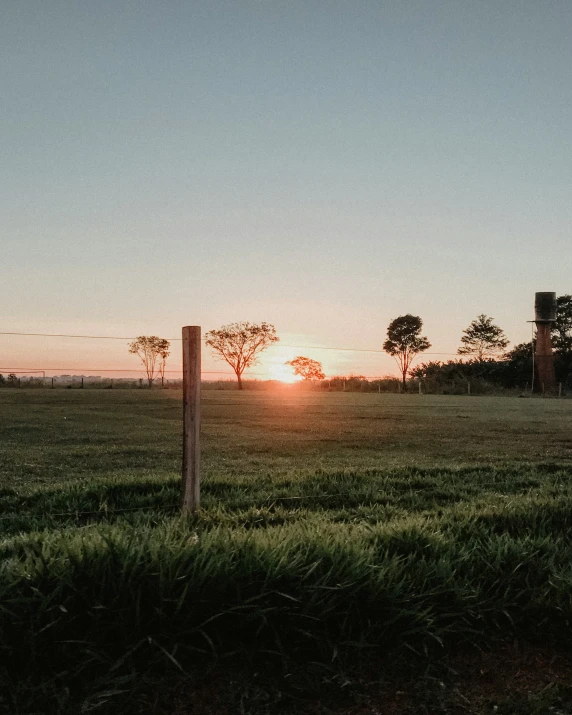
[{"x": 322, "y": 165}]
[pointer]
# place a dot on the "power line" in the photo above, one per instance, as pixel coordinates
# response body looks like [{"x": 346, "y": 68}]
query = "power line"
[
  {"x": 284, "y": 345},
  {"x": 61, "y": 335},
  {"x": 350, "y": 350}
]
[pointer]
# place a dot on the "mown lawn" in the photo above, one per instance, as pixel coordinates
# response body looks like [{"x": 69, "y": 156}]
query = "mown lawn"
[{"x": 354, "y": 553}]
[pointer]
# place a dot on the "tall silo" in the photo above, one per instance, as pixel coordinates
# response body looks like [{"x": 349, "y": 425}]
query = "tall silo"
[{"x": 544, "y": 317}]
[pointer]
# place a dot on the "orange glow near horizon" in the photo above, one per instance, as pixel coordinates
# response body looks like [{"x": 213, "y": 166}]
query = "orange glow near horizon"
[{"x": 283, "y": 373}]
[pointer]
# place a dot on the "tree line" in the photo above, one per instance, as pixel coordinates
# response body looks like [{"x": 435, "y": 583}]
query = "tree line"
[
  {"x": 10, "y": 381},
  {"x": 489, "y": 362},
  {"x": 482, "y": 349}
]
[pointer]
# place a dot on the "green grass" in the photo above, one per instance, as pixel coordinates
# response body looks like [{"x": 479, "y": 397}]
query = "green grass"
[{"x": 336, "y": 531}]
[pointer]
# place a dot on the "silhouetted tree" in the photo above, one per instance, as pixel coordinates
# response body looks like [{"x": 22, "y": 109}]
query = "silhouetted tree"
[
  {"x": 153, "y": 352},
  {"x": 483, "y": 339},
  {"x": 562, "y": 329},
  {"x": 163, "y": 355},
  {"x": 240, "y": 344},
  {"x": 404, "y": 342},
  {"x": 516, "y": 366},
  {"x": 307, "y": 368}
]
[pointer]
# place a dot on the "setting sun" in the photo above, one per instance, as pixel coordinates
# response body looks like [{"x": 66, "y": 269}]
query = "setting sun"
[{"x": 283, "y": 373}]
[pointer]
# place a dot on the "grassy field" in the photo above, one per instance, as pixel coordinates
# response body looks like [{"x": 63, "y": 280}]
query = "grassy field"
[{"x": 354, "y": 554}]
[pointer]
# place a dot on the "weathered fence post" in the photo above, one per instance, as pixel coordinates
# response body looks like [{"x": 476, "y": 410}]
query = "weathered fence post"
[{"x": 191, "y": 417}]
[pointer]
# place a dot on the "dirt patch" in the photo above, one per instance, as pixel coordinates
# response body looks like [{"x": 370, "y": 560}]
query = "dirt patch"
[{"x": 511, "y": 679}]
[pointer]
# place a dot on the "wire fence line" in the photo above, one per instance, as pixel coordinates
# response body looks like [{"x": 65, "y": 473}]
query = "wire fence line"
[
  {"x": 26, "y": 371},
  {"x": 270, "y": 499},
  {"x": 141, "y": 372},
  {"x": 284, "y": 345},
  {"x": 274, "y": 372},
  {"x": 35, "y": 371}
]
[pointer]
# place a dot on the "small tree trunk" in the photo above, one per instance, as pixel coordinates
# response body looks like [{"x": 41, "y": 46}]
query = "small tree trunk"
[
  {"x": 239, "y": 378},
  {"x": 404, "y": 381}
]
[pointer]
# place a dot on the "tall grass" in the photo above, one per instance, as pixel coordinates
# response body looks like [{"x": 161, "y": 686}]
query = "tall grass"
[
  {"x": 382, "y": 560},
  {"x": 317, "y": 545}
]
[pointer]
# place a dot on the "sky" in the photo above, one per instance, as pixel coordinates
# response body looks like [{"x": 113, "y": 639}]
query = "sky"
[{"x": 322, "y": 165}]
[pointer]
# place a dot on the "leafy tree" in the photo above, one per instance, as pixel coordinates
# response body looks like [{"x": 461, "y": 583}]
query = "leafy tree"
[
  {"x": 2, "y": 379},
  {"x": 240, "y": 344},
  {"x": 517, "y": 365},
  {"x": 153, "y": 352},
  {"x": 562, "y": 329},
  {"x": 12, "y": 380},
  {"x": 307, "y": 368},
  {"x": 404, "y": 342},
  {"x": 483, "y": 339}
]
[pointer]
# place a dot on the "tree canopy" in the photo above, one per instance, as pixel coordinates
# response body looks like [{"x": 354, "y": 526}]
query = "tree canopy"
[
  {"x": 483, "y": 339},
  {"x": 307, "y": 368},
  {"x": 562, "y": 329},
  {"x": 404, "y": 342},
  {"x": 240, "y": 344},
  {"x": 153, "y": 353}
]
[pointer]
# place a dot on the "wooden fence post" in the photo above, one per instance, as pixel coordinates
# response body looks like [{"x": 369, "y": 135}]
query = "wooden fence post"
[{"x": 191, "y": 417}]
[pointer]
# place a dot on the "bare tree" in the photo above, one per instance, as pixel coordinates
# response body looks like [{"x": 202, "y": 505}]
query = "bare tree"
[
  {"x": 240, "y": 344},
  {"x": 404, "y": 342},
  {"x": 163, "y": 355},
  {"x": 153, "y": 353}
]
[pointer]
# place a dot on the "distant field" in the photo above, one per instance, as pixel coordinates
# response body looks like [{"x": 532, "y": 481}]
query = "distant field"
[
  {"x": 337, "y": 531},
  {"x": 54, "y": 436}
]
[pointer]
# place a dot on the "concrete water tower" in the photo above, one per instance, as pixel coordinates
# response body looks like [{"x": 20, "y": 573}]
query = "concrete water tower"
[{"x": 544, "y": 317}]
